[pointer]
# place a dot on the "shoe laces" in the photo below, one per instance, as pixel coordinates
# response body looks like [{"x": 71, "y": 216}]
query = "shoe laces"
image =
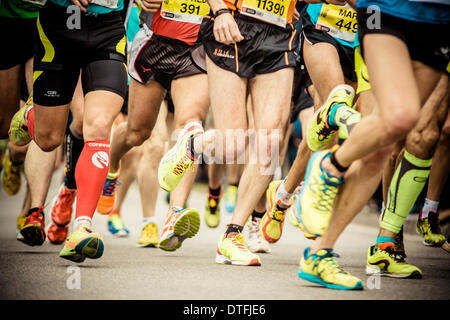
[
  {"x": 239, "y": 242},
  {"x": 150, "y": 229},
  {"x": 327, "y": 196},
  {"x": 110, "y": 186},
  {"x": 184, "y": 165},
  {"x": 278, "y": 213}
]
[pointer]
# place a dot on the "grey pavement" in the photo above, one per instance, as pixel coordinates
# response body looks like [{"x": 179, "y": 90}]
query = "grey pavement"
[{"x": 128, "y": 272}]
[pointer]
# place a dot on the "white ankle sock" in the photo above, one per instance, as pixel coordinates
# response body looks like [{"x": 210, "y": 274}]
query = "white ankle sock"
[
  {"x": 80, "y": 221},
  {"x": 428, "y": 206},
  {"x": 147, "y": 220},
  {"x": 282, "y": 194}
]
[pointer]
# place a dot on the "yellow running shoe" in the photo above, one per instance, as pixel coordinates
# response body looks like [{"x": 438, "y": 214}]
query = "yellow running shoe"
[
  {"x": 82, "y": 243},
  {"x": 317, "y": 196},
  {"x": 430, "y": 231},
  {"x": 232, "y": 250},
  {"x": 382, "y": 259},
  {"x": 18, "y": 130},
  {"x": 323, "y": 269},
  {"x": 178, "y": 159},
  {"x": 212, "y": 211},
  {"x": 320, "y": 131},
  {"x": 181, "y": 223},
  {"x": 272, "y": 223},
  {"x": 20, "y": 223},
  {"x": 11, "y": 175},
  {"x": 149, "y": 236}
]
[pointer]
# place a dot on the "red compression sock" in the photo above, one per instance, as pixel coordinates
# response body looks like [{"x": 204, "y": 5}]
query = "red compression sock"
[{"x": 90, "y": 175}]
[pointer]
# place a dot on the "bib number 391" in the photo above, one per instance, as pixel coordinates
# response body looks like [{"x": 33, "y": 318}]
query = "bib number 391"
[
  {"x": 271, "y": 11},
  {"x": 191, "y": 11}
]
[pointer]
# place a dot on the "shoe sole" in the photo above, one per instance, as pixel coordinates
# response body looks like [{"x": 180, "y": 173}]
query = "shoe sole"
[
  {"x": 264, "y": 224},
  {"x": 315, "y": 279},
  {"x": 221, "y": 259},
  {"x": 32, "y": 235},
  {"x": 150, "y": 245},
  {"x": 375, "y": 271},
  {"x": 187, "y": 226},
  {"x": 161, "y": 181}
]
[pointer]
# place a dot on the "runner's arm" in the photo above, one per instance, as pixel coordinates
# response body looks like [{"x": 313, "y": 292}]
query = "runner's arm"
[
  {"x": 225, "y": 27},
  {"x": 151, "y": 5}
]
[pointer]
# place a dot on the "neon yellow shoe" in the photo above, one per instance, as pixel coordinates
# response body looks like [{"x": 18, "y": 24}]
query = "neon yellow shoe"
[
  {"x": 212, "y": 211},
  {"x": 429, "y": 229},
  {"x": 320, "y": 131},
  {"x": 230, "y": 198},
  {"x": 383, "y": 260},
  {"x": 272, "y": 223},
  {"x": 149, "y": 236},
  {"x": 180, "y": 224},
  {"x": 232, "y": 250},
  {"x": 294, "y": 213},
  {"x": 116, "y": 226},
  {"x": 81, "y": 244},
  {"x": 178, "y": 160},
  {"x": 323, "y": 269},
  {"x": 18, "y": 130},
  {"x": 20, "y": 223},
  {"x": 317, "y": 196},
  {"x": 11, "y": 175}
]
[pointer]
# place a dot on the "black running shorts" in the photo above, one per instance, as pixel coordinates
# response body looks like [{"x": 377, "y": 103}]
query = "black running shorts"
[
  {"x": 346, "y": 54},
  {"x": 17, "y": 37},
  {"x": 97, "y": 47},
  {"x": 158, "y": 58},
  {"x": 300, "y": 96},
  {"x": 427, "y": 43},
  {"x": 266, "y": 48}
]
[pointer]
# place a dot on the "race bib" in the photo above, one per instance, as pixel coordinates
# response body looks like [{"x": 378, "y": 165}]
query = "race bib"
[
  {"x": 112, "y": 4},
  {"x": 191, "y": 11},
  {"x": 270, "y": 11},
  {"x": 339, "y": 21}
]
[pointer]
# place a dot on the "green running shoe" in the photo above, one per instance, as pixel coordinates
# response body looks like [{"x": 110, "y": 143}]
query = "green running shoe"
[{"x": 429, "y": 229}]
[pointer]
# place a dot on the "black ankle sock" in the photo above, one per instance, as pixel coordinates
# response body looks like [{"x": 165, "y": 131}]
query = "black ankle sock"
[
  {"x": 336, "y": 164},
  {"x": 34, "y": 210},
  {"x": 214, "y": 192},
  {"x": 74, "y": 146},
  {"x": 234, "y": 184},
  {"x": 257, "y": 214},
  {"x": 233, "y": 228}
]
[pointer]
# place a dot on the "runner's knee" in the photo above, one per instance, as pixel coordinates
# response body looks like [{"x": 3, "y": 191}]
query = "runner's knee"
[{"x": 137, "y": 137}]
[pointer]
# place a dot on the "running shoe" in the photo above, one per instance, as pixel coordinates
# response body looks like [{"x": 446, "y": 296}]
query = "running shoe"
[
  {"x": 62, "y": 206},
  {"x": 323, "y": 269},
  {"x": 383, "y": 260},
  {"x": 212, "y": 211},
  {"x": 317, "y": 197},
  {"x": 320, "y": 131},
  {"x": 20, "y": 223},
  {"x": 18, "y": 130},
  {"x": 232, "y": 250},
  {"x": 399, "y": 246},
  {"x": 57, "y": 234},
  {"x": 446, "y": 245},
  {"x": 430, "y": 231},
  {"x": 11, "y": 175},
  {"x": 81, "y": 244},
  {"x": 116, "y": 226},
  {"x": 230, "y": 198},
  {"x": 256, "y": 243},
  {"x": 3, "y": 149},
  {"x": 178, "y": 160},
  {"x": 272, "y": 223},
  {"x": 33, "y": 230},
  {"x": 149, "y": 236},
  {"x": 181, "y": 223},
  {"x": 106, "y": 202}
]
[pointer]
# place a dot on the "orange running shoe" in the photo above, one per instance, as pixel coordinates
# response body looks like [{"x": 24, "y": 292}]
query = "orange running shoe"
[
  {"x": 33, "y": 230},
  {"x": 106, "y": 202},
  {"x": 57, "y": 234},
  {"x": 181, "y": 223},
  {"x": 62, "y": 206}
]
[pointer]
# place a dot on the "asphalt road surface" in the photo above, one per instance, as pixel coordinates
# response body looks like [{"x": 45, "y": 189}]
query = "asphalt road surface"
[{"x": 127, "y": 272}]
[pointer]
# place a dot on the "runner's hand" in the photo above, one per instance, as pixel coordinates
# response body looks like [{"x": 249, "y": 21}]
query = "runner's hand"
[
  {"x": 226, "y": 30},
  {"x": 82, "y": 4},
  {"x": 151, "y": 5}
]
